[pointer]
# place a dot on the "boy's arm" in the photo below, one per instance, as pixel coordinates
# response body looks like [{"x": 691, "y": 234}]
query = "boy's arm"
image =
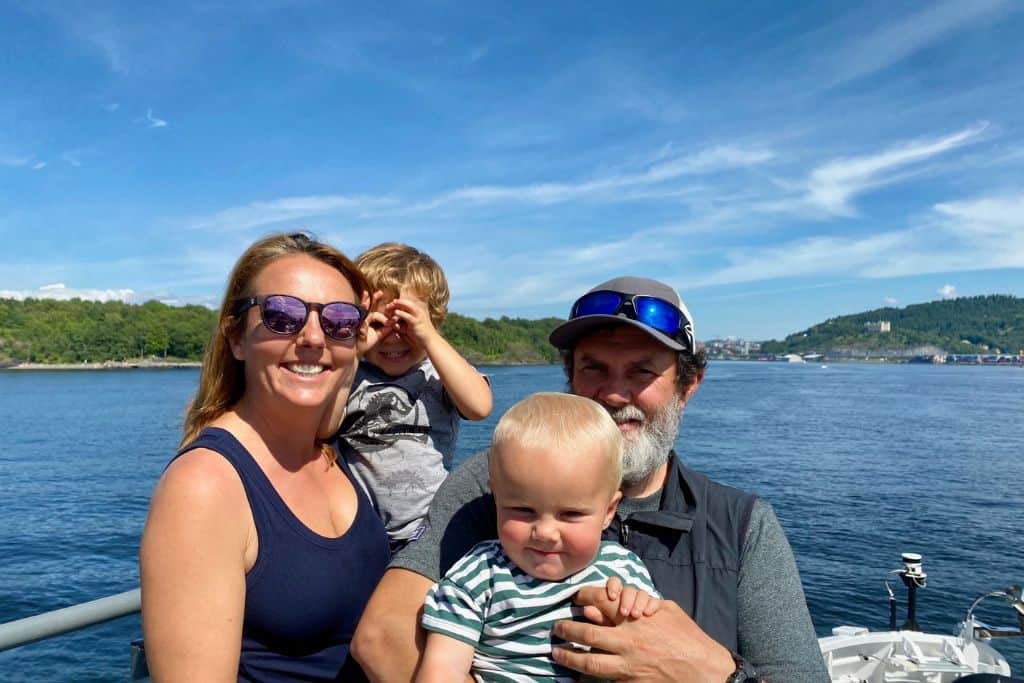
[
  {"x": 468, "y": 389},
  {"x": 445, "y": 660}
]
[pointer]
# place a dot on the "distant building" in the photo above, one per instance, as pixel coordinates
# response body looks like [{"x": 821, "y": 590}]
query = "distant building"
[{"x": 878, "y": 327}]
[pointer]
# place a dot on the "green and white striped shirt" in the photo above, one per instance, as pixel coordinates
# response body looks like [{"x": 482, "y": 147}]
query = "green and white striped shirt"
[{"x": 507, "y": 615}]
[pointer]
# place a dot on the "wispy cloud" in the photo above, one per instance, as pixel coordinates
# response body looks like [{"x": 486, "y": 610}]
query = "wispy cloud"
[
  {"x": 890, "y": 301},
  {"x": 947, "y": 292},
  {"x": 645, "y": 184},
  {"x": 478, "y": 53},
  {"x": 976, "y": 234},
  {"x": 112, "y": 106},
  {"x": 609, "y": 188},
  {"x": 894, "y": 41},
  {"x": 154, "y": 122},
  {"x": 288, "y": 209},
  {"x": 62, "y": 292},
  {"x": 38, "y": 165},
  {"x": 72, "y": 157},
  {"x": 15, "y": 162},
  {"x": 997, "y": 220},
  {"x": 832, "y": 186}
]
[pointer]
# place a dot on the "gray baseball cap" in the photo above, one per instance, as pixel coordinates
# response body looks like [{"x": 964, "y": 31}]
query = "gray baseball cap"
[{"x": 566, "y": 335}]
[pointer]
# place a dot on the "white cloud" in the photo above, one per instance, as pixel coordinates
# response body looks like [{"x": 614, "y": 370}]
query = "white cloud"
[
  {"x": 15, "y": 161},
  {"x": 112, "y": 107},
  {"x": 478, "y": 53},
  {"x": 997, "y": 218},
  {"x": 832, "y": 185},
  {"x": 895, "y": 41},
  {"x": 643, "y": 185},
  {"x": 72, "y": 158},
  {"x": 62, "y": 292},
  {"x": 38, "y": 165},
  {"x": 706, "y": 161},
  {"x": 947, "y": 291},
  {"x": 154, "y": 122},
  {"x": 287, "y": 209},
  {"x": 890, "y": 301}
]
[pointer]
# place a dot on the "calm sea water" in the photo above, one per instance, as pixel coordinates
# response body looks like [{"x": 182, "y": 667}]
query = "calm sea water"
[{"x": 861, "y": 463}]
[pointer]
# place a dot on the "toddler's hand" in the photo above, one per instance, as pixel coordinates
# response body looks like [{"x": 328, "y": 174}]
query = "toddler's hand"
[
  {"x": 633, "y": 603},
  {"x": 411, "y": 316}
]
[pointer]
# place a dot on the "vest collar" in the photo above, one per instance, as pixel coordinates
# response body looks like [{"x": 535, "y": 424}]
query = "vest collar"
[{"x": 681, "y": 496}]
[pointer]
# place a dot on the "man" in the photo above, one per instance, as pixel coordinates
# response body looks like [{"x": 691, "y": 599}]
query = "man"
[{"x": 735, "y": 610}]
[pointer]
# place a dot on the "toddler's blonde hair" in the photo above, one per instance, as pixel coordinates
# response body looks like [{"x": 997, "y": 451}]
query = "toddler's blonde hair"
[
  {"x": 561, "y": 422},
  {"x": 392, "y": 267}
]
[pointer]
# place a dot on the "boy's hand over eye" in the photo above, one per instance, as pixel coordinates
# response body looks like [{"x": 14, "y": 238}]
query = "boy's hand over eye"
[
  {"x": 410, "y": 315},
  {"x": 376, "y": 325}
]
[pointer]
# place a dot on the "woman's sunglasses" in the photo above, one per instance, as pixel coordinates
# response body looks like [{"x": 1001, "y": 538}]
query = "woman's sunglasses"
[
  {"x": 649, "y": 310},
  {"x": 284, "y": 314}
]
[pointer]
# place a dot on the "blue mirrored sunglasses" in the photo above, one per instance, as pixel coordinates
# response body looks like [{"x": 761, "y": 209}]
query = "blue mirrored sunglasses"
[
  {"x": 285, "y": 314},
  {"x": 662, "y": 315}
]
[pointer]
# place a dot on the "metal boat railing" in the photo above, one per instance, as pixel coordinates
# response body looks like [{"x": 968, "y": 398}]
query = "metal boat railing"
[{"x": 49, "y": 624}]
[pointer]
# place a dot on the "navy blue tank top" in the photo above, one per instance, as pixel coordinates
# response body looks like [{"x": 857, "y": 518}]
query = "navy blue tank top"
[{"x": 305, "y": 592}]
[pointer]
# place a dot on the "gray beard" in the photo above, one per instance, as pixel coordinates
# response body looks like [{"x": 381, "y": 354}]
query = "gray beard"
[{"x": 648, "y": 448}]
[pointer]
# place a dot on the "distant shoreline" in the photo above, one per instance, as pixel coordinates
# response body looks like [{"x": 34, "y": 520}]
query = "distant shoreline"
[{"x": 143, "y": 364}]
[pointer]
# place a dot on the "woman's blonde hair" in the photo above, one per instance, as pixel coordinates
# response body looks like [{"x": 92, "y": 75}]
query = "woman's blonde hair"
[
  {"x": 561, "y": 422},
  {"x": 392, "y": 267},
  {"x": 222, "y": 377}
]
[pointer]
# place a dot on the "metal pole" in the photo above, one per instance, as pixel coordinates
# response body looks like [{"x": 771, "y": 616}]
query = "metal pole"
[{"x": 30, "y": 629}]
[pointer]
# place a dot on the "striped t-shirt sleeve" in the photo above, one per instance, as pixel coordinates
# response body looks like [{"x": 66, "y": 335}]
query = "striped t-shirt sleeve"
[{"x": 456, "y": 605}]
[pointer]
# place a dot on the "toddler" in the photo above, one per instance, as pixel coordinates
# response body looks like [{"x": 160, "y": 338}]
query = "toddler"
[{"x": 555, "y": 469}]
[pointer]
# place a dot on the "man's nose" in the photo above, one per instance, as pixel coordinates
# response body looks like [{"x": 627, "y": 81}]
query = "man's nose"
[{"x": 614, "y": 393}]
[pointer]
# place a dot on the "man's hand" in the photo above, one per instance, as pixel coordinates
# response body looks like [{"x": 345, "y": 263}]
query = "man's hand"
[{"x": 666, "y": 646}]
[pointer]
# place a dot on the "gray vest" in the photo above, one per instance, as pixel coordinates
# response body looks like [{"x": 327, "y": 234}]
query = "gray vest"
[{"x": 692, "y": 546}]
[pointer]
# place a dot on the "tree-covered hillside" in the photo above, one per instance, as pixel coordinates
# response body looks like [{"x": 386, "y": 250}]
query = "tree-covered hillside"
[
  {"x": 978, "y": 324},
  {"x": 76, "y": 331}
]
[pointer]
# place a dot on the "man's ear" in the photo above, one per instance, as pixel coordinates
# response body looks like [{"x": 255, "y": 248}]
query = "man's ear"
[
  {"x": 613, "y": 505},
  {"x": 692, "y": 389}
]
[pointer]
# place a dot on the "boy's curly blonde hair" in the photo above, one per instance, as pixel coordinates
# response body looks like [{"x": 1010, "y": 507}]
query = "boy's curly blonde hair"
[{"x": 392, "y": 267}]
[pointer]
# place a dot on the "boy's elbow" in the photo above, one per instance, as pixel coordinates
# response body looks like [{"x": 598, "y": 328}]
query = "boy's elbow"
[{"x": 480, "y": 409}]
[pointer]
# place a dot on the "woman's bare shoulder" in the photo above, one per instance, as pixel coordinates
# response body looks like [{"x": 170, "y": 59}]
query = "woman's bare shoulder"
[{"x": 201, "y": 478}]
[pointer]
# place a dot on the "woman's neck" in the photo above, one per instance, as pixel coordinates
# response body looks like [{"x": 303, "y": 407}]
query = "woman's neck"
[{"x": 288, "y": 435}]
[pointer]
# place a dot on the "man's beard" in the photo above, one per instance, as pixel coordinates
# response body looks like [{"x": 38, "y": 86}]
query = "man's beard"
[{"x": 647, "y": 448}]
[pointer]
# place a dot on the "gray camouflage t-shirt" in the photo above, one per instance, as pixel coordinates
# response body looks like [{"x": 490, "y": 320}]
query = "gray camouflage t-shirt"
[{"x": 403, "y": 430}]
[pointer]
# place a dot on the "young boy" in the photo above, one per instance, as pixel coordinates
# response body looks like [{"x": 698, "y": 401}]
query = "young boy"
[
  {"x": 411, "y": 388},
  {"x": 555, "y": 469}
]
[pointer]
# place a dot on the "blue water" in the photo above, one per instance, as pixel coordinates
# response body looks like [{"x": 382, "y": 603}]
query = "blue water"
[{"x": 861, "y": 462}]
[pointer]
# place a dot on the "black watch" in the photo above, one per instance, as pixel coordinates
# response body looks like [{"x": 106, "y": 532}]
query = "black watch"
[{"x": 744, "y": 672}]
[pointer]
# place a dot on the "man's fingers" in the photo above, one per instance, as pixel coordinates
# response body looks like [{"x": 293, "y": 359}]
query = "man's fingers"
[
  {"x": 595, "y": 664},
  {"x": 593, "y": 636}
]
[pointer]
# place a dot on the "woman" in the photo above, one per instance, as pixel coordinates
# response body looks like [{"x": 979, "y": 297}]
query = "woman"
[{"x": 259, "y": 553}]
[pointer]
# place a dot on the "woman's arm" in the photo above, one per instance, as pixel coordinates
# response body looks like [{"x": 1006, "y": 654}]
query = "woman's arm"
[{"x": 192, "y": 560}]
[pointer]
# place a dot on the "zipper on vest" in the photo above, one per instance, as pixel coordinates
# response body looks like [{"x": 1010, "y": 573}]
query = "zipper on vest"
[{"x": 624, "y": 534}]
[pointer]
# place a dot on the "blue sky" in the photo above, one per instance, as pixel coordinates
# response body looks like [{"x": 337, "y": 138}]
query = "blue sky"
[{"x": 779, "y": 163}]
